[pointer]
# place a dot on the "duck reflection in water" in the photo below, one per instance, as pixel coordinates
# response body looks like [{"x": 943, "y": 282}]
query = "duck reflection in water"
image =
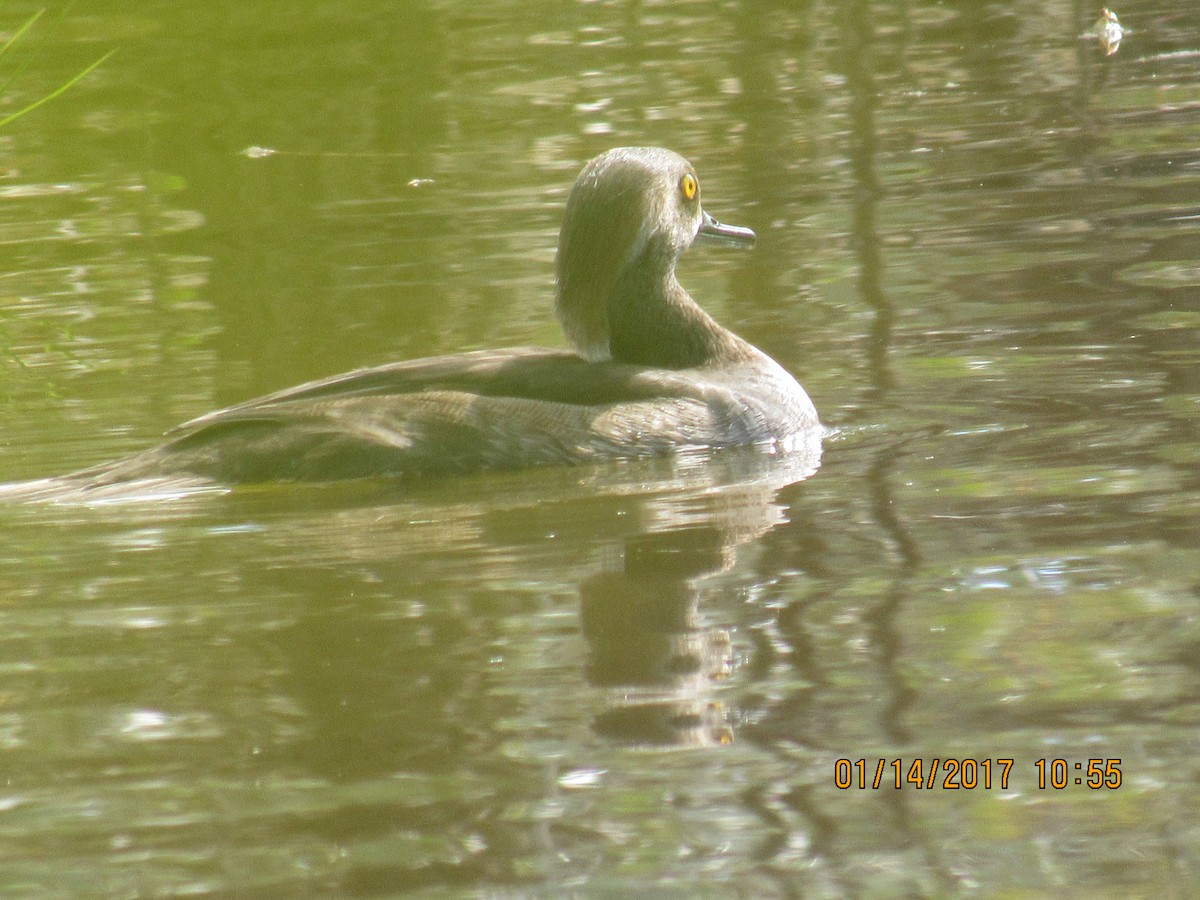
[
  {"x": 648, "y": 646},
  {"x": 651, "y": 373}
]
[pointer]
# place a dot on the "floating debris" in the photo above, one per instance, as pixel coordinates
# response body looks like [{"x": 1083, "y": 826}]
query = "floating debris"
[{"x": 1108, "y": 31}]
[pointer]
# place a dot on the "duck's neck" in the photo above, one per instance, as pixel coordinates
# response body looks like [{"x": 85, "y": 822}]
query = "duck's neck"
[{"x": 653, "y": 322}]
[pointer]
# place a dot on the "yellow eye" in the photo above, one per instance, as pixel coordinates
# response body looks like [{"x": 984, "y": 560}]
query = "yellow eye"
[{"x": 688, "y": 186}]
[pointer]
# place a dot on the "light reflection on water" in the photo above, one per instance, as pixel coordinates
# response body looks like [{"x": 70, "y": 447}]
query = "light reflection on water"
[{"x": 977, "y": 249}]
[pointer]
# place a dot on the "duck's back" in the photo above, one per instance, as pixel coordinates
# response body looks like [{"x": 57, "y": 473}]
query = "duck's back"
[{"x": 484, "y": 410}]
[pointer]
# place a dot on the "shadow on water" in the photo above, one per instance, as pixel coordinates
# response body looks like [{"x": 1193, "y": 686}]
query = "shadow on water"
[
  {"x": 795, "y": 545},
  {"x": 858, "y": 44}
]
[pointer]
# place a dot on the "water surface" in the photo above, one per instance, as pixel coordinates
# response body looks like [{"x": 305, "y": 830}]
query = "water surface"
[{"x": 977, "y": 249}]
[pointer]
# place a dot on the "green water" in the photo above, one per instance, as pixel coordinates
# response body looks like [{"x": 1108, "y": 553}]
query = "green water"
[{"x": 978, "y": 250}]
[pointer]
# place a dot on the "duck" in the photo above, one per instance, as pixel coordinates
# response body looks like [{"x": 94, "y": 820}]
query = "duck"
[{"x": 649, "y": 372}]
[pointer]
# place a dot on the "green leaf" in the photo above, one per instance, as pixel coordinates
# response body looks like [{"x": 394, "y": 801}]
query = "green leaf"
[{"x": 65, "y": 87}]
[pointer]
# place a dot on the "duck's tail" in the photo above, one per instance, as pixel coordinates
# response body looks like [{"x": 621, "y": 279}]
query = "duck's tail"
[{"x": 131, "y": 480}]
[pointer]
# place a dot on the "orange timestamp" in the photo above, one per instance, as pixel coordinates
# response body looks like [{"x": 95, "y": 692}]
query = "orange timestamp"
[
  {"x": 1058, "y": 773},
  {"x": 954, "y": 774}
]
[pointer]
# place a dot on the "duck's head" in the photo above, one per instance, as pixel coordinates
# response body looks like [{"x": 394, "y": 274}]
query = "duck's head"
[{"x": 633, "y": 207}]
